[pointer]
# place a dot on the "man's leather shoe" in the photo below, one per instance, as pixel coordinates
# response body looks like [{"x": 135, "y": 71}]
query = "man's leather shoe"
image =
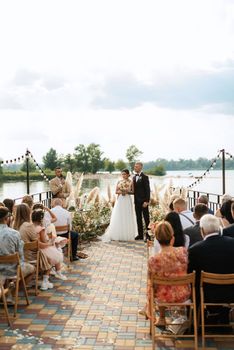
[
  {"x": 147, "y": 237},
  {"x": 75, "y": 258},
  {"x": 137, "y": 238}
]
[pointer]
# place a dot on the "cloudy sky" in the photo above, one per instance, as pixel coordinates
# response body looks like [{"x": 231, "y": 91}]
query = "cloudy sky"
[{"x": 155, "y": 73}]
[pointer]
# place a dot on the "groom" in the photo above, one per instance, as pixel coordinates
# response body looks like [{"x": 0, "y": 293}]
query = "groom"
[{"x": 141, "y": 198}]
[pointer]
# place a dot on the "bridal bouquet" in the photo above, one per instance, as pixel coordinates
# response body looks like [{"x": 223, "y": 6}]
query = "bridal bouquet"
[{"x": 124, "y": 186}]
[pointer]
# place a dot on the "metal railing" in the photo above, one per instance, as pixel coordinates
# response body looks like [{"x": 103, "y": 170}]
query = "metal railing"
[
  {"x": 214, "y": 200},
  {"x": 42, "y": 197}
]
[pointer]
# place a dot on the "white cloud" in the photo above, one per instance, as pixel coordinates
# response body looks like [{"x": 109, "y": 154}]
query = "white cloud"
[{"x": 59, "y": 58}]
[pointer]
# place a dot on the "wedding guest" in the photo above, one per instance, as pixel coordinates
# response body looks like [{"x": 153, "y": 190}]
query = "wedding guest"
[
  {"x": 225, "y": 211},
  {"x": 194, "y": 232},
  {"x": 9, "y": 203},
  {"x": 28, "y": 234},
  {"x": 169, "y": 262},
  {"x": 54, "y": 256},
  {"x": 11, "y": 243},
  {"x": 186, "y": 216},
  {"x": 229, "y": 230},
  {"x": 28, "y": 200},
  {"x": 64, "y": 218},
  {"x": 214, "y": 254},
  {"x": 203, "y": 199}
]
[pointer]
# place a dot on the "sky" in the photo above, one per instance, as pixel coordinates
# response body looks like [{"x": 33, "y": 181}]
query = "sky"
[{"x": 158, "y": 74}]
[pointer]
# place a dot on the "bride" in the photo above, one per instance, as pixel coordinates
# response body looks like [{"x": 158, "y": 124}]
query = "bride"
[{"x": 123, "y": 225}]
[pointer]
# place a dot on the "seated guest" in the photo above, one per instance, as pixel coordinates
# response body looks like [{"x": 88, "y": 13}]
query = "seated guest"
[
  {"x": 28, "y": 200},
  {"x": 180, "y": 239},
  {"x": 229, "y": 230},
  {"x": 214, "y": 254},
  {"x": 203, "y": 199},
  {"x": 194, "y": 231},
  {"x": 9, "y": 203},
  {"x": 169, "y": 262},
  {"x": 28, "y": 234},
  {"x": 11, "y": 243},
  {"x": 64, "y": 218},
  {"x": 186, "y": 216},
  {"x": 54, "y": 256},
  {"x": 225, "y": 197},
  {"x": 226, "y": 214}
]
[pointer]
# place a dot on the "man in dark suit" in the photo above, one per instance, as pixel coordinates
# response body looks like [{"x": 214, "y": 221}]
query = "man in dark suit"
[
  {"x": 229, "y": 230},
  {"x": 214, "y": 254},
  {"x": 194, "y": 232},
  {"x": 141, "y": 198}
]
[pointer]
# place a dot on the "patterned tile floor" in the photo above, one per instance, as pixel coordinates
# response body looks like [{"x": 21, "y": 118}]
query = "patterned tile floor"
[{"x": 96, "y": 308}]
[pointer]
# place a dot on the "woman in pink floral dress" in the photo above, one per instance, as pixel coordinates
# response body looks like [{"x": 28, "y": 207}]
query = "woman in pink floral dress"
[{"x": 169, "y": 262}]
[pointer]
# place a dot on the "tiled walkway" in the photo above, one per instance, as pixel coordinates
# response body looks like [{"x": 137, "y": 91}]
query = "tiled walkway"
[{"x": 96, "y": 308}]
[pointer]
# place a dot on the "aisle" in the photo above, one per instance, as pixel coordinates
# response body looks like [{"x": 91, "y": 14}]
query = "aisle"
[{"x": 96, "y": 308}]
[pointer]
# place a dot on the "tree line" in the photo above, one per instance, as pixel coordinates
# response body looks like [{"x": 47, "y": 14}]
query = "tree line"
[{"x": 90, "y": 159}]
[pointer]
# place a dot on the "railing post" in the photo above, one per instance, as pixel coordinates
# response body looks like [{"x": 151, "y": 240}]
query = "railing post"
[
  {"x": 223, "y": 169},
  {"x": 27, "y": 170}
]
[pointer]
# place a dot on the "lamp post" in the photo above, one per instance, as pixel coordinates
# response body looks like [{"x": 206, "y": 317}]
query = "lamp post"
[
  {"x": 223, "y": 169},
  {"x": 27, "y": 170}
]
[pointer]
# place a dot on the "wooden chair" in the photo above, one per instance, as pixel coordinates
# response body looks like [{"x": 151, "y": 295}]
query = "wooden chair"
[
  {"x": 3, "y": 292},
  {"x": 19, "y": 277},
  {"x": 66, "y": 228},
  {"x": 34, "y": 246},
  {"x": 191, "y": 304},
  {"x": 213, "y": 279}
]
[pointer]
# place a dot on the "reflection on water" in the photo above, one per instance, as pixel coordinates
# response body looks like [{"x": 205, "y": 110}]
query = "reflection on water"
[{"x": 211, "y": 184}]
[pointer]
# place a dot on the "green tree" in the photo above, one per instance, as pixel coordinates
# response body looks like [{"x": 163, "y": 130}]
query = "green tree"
[
  {"x": 50, "y": 160},
  {"x": 108, "y": 165},
  {"x": 157, "y": 170},
  {"x": 88, "y": 159},
  {"x": 69, "y": 163},
  {"x": 120, "y": 164},
  {"x": 1, "y": 164},
  {"x": 132, "y": 155},
  {"x": 31, "y": 166}
]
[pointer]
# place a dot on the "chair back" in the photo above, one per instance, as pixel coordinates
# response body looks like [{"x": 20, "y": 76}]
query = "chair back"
[
  {"x": 32, "y": 245},
  {"x": 216, "y": 278},
  {"x": 63, "y": 228},
  {"x": 10, "y": 259},
  {"x": 175, "y": 281}
]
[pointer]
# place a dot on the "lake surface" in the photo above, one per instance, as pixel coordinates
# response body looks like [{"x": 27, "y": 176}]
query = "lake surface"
[{"x": 211, "y": 184}]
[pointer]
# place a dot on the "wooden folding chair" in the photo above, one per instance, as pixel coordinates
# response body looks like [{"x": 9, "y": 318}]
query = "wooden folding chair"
[
  {"x": 191, "y": 304},
  {"x": 19, "y": 277},
  {"x": 214, "y": 279},
  {"x": 3, "y": 292},
  {"x": 34, "y": 246},
  {"x": 66, "y": 228}
]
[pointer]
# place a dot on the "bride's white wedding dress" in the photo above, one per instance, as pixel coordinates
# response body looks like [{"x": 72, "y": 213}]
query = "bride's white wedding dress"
[{"x": 123, "y": 224}]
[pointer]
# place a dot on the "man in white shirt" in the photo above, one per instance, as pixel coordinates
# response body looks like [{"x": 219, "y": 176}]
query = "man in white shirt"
[
  {"x": 186, "y": 216},
  {"x": 64, "y": 218}
]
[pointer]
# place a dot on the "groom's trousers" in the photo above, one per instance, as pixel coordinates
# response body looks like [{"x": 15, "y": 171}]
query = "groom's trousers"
[{"x": 139, "y": 211}]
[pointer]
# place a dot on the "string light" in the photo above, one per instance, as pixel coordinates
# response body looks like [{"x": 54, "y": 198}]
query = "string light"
[
  {"x": 10, "y": 161},
  {"x": 211, "y": 167},
  {"x": 44, "y": 176}
]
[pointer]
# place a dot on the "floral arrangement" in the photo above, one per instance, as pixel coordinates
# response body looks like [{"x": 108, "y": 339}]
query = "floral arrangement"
[{"x": 124, "y": 185}]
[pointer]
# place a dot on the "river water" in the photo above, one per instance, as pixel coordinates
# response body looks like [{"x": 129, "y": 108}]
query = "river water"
[{"x": 211, "y": 184}]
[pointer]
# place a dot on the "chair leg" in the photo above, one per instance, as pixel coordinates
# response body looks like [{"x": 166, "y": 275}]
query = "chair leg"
[
  {"x": 24, "y": 286},
  {"x": 5, "y": 306},
  {"x": 16, "y": 295}
]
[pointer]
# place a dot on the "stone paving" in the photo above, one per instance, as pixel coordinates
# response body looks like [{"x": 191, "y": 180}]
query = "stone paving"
[{"x": 96, "y": 308}]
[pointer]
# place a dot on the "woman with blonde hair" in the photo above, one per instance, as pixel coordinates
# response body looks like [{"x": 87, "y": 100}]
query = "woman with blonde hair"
[{"x": 169, "y": 262}]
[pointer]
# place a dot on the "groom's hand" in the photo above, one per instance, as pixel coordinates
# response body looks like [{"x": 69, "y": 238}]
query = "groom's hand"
[{"x": 145, "y": 204}]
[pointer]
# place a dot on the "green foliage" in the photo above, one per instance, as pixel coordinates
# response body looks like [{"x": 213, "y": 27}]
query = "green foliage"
[
  {"x": 88, "y": 159},
  {"x": 50, "y": 160},
  {"x": 108, "y": 165},
  {"x": 188, "y": 164},
  {"x": 132, "y": 155},
  {"x": 120, "y": 165},
  {"x": 21, "y": 176},
  {"x": 92, "y": 222},
  {"x": 157, "y": 170},
  {"x": 69, "y": 163},
  {"x": 31, "y": 165}
]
